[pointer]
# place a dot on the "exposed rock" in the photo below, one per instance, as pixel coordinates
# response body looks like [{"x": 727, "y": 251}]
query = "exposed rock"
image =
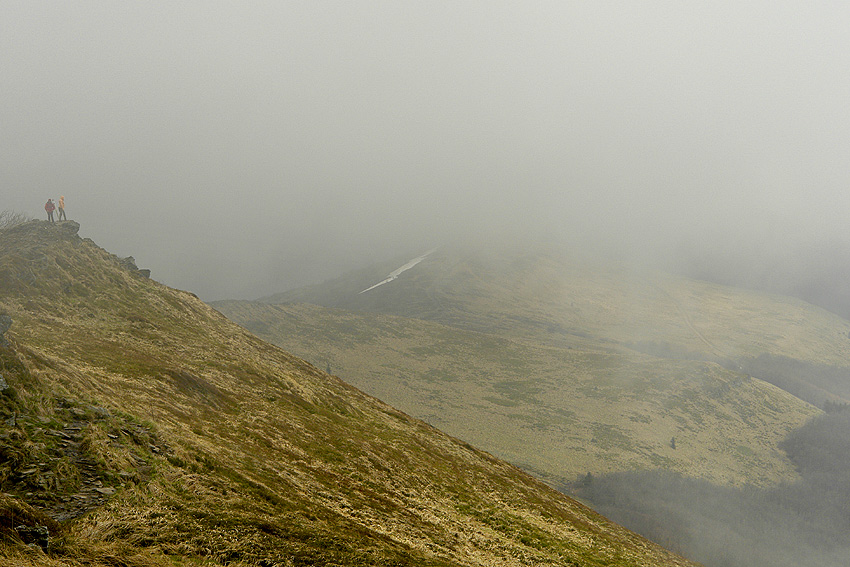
[
  {"x": 69, "y": 227},
  {"x": 34, "y": 535},
  {"x": 3, "y": 385},
  {"x": 129, "y": 263}
]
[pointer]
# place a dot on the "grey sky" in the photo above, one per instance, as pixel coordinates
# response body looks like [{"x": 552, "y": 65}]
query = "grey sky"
[{"x": 241, "y": 148}]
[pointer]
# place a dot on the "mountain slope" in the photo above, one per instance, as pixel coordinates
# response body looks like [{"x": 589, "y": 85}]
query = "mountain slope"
[
  {"x": 212, "y": 446},
  {"x": 566, "y": 366},
  {"x": 560, "y": 412}
]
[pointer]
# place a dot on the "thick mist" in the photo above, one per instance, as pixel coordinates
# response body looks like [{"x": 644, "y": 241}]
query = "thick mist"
[{"x": 240, "y": 149}]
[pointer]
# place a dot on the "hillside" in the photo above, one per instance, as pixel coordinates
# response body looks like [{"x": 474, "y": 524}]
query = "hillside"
[
  {"x": 141, "y": 428},
  {"x": 559, "y": 412},
  {"x": 565, "y": 366}
]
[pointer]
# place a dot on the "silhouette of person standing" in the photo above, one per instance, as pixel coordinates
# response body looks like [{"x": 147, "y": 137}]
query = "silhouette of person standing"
[
  {"x": 49, "y": 207},
  {"x": 62, "y": 208}
]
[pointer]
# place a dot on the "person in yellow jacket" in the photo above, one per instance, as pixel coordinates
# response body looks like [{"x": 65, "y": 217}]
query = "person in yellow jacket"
[{"x": 62, "y": 208}]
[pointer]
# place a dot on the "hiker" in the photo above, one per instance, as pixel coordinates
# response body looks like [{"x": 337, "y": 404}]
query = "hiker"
[
  {"x": 62, "y": 208},
  {"x": 49, "y": 207}
]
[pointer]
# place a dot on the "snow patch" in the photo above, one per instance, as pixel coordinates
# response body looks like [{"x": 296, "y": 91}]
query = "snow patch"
[{"x": 394, "y": 274}]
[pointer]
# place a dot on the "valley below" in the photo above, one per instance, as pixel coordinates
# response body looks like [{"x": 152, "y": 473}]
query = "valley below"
[{"x": 652, "y": 396}]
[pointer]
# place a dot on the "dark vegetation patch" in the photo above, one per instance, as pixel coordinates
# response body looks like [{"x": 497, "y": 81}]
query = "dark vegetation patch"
[
  {"x": 517, "y": 391},
  {"x": 196, "y": 387},
  {"x": 800, "y": 524}
]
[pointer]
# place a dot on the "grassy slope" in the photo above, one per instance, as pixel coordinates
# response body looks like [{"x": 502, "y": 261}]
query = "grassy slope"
[
  {"x": 539, "y": 360},
  {"x": 556, "y": 411},
  {"x": 260, "y": 458}
]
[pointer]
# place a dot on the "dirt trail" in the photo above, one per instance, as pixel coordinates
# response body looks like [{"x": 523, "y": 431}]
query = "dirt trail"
[{"x": 687, "y": 318}]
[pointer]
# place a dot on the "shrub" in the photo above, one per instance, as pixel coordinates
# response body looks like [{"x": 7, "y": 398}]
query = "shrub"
[{"x": 8, "y": 219}]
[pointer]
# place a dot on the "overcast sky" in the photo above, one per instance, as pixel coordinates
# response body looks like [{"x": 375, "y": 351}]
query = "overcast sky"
[{"x": 239, "y": 149}]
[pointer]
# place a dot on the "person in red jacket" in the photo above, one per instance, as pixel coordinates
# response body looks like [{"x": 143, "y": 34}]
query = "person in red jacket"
[{"x": 49, "y": 207}]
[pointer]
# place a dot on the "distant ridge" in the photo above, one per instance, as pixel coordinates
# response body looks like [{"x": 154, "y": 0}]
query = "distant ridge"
[{"x": 548, "y": 293}]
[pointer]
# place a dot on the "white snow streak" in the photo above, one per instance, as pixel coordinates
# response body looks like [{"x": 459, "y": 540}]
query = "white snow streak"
[{"x": 394, "y": 274}]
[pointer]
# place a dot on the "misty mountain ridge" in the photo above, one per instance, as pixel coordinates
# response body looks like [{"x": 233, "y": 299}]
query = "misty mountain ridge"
[
  {"x": 817, "y": 273},
  {"x": 165, "y": 433},
  {"x": 561, "y": 298}
]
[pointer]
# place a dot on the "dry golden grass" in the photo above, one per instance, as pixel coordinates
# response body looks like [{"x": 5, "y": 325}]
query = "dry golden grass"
[{"x": 254, "y": 456}]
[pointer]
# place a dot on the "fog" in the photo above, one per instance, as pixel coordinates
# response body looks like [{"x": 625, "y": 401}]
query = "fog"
[{"x": 240, "y": 149}]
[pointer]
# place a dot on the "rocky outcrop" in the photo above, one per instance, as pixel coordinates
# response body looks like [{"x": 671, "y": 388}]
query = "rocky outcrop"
[
  {"x": 69, "y": 227},
  {"x": 129, "y": 264},
  {"x": 34, "y": 536},
  {"x": 21, "y": 522}
]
